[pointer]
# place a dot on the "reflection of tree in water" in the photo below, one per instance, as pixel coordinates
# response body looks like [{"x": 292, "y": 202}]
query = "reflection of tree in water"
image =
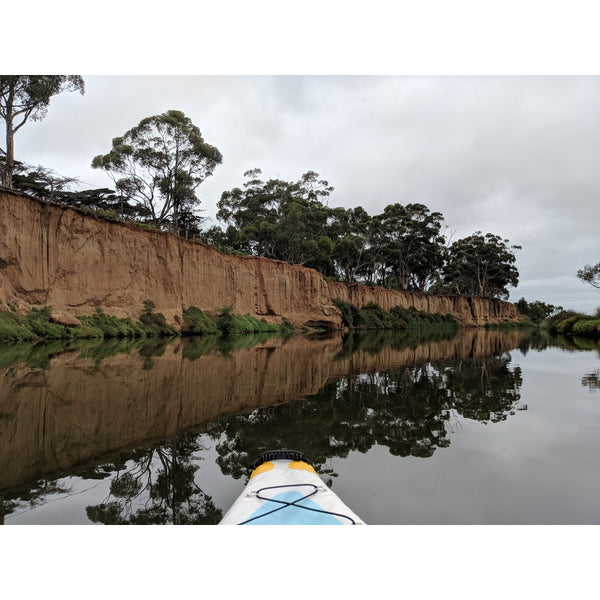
[
  {"x": 19, "y": 501},
  {"x": 158, "y": 487},
  {"x": 372, "y": 342},
  {"x": 409, "y": 410},
  {"x": 592, "y": 380},
  {"x": 484, "y": 389}
]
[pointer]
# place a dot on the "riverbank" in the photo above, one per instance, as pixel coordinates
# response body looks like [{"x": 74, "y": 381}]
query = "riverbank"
[{"x": 40, "y": 324}]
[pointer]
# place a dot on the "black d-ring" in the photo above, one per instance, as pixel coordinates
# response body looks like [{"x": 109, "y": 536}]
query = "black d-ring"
[{"x": 282, "y": 454}]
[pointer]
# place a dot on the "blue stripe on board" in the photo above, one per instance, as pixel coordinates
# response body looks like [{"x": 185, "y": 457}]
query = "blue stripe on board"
[{"x": 292, "y": 515}]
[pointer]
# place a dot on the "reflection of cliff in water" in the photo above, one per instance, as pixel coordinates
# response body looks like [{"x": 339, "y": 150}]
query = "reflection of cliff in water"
[{"x": 86, "y": 404}]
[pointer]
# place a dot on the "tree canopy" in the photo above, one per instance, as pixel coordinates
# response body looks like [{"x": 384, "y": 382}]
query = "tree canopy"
[
  {"x": 24, "y": 97},
  {"x": 157, "y": 166},
  {"x": 481, "y": 265},
  {"x": 409, "y": 246},
  {"x": 537, "y": 310},
  {"x": 159, "y": 163},
  {"x": 279, "y": 219},
  {"x": 590, "y": 274}
]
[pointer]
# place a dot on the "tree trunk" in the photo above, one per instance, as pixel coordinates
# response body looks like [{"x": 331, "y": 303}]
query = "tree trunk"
[{"x": 9, "y": 165}]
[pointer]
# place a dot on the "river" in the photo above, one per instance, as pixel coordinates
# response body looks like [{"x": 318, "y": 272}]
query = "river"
[{"x": 475, "y": 427}]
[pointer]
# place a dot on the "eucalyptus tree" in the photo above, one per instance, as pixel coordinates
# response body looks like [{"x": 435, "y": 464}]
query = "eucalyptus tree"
[
  {"x": 159, "y": 163},
  {"x": 283, "y": 220},
  {"x": 481, "y": 265},
  {"x": 409, "y": 246},
  {"x": 24, "y": 97},
  {"x": 251, "y": 213},
  {"x": 352, "y": 232},
  {"x": 537, "y": 310},
  {"x": 590, "y": 274}
]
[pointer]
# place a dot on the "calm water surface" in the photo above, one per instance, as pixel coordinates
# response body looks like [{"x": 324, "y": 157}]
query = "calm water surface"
[{"x": 479, "y": 427}]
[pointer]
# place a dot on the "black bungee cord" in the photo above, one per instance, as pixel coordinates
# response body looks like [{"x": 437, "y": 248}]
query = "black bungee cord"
[{"x": 284, "y": 503}]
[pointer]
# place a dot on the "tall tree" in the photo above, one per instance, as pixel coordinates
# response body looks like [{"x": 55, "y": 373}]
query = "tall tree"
[
  {"x": 24, "y": 97},
  {"x": 409, "y": 246},
  {"x": 280, "y": 219},
  {"x": 537, "y": 310},
  {"x": 481, "y": 265},
  {"x": 159, "y": 164},
  {"x": 352, "y": 232}
]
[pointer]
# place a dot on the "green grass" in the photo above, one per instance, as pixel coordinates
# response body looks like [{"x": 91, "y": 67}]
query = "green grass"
[
  {"x": 34, "y": 326},
  {"x": 37, "y": 325},
  {"x": 102, "y": 325},
  {"x": 229, "y": 323}
]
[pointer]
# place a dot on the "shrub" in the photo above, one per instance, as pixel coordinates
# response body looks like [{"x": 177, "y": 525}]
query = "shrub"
[
  {"x": 155, "y": 323},
  {"x": 350, "y": 314},
  {"x": 197, "y": 323},
  {"x": 565, "y": 327},
  {"x": 111, "y": 327},
  {"x": 555, "y": 321},
  {"x": 373, "y": 316},
  {"x": 587, "y": 327},
  {"x": 229, "y": 323}
]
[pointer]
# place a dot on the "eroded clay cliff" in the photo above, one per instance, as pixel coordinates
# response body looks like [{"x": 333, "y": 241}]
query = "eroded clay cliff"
[{"x": 57, "y": 256}]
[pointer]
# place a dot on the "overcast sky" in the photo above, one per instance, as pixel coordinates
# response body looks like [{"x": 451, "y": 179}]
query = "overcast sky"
[{"x": 514, "y": 155}]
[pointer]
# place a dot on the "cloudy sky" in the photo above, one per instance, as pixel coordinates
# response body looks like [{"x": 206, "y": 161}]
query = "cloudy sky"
[{"x": 514, "y": 155}]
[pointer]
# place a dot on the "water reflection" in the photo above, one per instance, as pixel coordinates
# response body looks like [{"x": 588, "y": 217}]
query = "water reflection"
[
  {"x": 411, "y": 410},
  {"x": 325, "y": 395},
  {"x": 592, "y": 380},
  {"x": 157, "y": 486}
]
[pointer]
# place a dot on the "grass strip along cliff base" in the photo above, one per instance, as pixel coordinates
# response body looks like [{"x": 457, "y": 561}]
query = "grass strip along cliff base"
[{"x": 39, "y": 325}]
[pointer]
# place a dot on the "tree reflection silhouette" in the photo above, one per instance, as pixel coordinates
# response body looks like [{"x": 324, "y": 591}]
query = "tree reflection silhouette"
[
  {"x": 158, "y": 487},
  {"x": 591, "y": 380},
  {"x": 484, "y": 389},
  {"x": 409, "y": 410},
  {"x": 18, "y": 501}
]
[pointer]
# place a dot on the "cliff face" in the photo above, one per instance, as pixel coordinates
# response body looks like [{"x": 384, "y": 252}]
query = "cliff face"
[{"x": 60, "y": 257}]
